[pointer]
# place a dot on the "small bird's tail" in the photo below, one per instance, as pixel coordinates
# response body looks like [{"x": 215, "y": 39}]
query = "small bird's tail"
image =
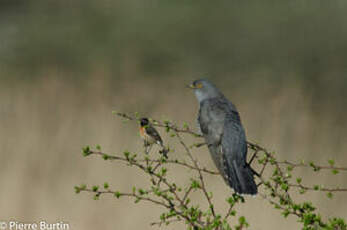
[{"x": 241, "y": 179}]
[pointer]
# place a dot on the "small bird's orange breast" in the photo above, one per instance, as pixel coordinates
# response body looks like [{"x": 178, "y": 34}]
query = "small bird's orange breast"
[
  {"x": 142, "y": 132},
  {"x": 144, "y": 135}
]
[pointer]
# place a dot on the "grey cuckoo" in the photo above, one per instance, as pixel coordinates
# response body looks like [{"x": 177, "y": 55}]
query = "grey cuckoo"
[{"x": 224, "y": 134}]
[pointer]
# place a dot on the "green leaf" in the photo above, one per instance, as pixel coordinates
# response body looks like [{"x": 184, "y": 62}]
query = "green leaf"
[
  {"x": 272, "y": 161},
  {"x": 77, "y": 189},
  {"x": 195, "y": 184},
  {"x": 302, "y": 191},
  {"x": 86, "y": 151},
  {"x": 308, "y": 206},
  {"x": 187, "y": 201},
  {"x": 314, "y": 167},
  {"x": 117, "y": 194},
  {"x": 163, "y": 171},
  {"x": 133, "y": 157},
  {"x": 163, "y": 216},
  {"x": 126, "y": 154},
  {"x": 285, "y": 186},
  {"x": 141, "y": 191},
  {"x": 331, "y": 162},
  {"x": 242, "y": 221},
  {"x": 329, "y": 195},
  {"x": 210, "y": 194},
  {"x": 335, "y": 171},
  {"x": 337, "y": 223},
  {"x": 295, "y": 207},
  {"x": 231, "y": 201},
  {"x": 106, "y": 186},
  {"x": 261, "y": 161},
  {"x": 98, "y": 147},
  {"x": 285, "y": 213},
  {"x": 95, "y": 188},
  {"x": 149, "y": 169}
]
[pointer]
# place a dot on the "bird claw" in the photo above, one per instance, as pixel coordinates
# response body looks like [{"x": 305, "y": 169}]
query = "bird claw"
[{"x": 164, "y": 153}]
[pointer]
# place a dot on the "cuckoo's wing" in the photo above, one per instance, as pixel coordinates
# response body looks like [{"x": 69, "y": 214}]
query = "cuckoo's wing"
[
  {"x": 234, "y": 151},
  {"x": 211, "y": 119}
]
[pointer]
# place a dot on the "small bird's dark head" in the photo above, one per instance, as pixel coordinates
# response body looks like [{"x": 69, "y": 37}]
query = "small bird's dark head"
[
  {"x": 204, "y": 89},
  {"x": 144, "y": 121}
]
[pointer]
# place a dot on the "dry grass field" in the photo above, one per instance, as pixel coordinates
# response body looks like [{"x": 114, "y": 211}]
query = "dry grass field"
[
  {"x": 44, "y": 124},
  {"x": 66, "y": 65}
]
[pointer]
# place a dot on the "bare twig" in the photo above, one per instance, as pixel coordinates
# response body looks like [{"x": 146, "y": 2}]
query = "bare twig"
[
  {"x": 318, "y": 188},
  {"x": 163, "y": 125},
  {"x": 113, "y": 157},
  {"x": 134, "y": 195},
  {"x": 311, "y": 165},
  {"x": 203, "y": 187}
]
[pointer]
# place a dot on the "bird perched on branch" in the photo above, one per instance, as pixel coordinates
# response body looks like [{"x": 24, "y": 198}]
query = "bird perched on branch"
[
  {"x": 151, "y": 136},
  {"x": 224, "y": 134}
]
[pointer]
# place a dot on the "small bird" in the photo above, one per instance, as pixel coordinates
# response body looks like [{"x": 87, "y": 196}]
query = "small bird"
[
  {"x": 151, "y": 136},
  {"x": 224, "y": 134}
]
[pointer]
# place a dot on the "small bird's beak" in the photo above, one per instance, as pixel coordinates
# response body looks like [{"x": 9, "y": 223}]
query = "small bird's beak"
[{"x": 190, "y": 86}]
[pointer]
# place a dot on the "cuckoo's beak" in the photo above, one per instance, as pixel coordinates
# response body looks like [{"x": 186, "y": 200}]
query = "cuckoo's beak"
[{"x": 190, "y": 86}]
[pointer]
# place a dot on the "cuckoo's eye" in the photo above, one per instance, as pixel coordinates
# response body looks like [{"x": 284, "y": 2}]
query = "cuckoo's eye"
[{"x": 198, "y": 85}]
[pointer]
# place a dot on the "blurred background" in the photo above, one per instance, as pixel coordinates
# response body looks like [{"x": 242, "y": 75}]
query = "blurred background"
[{"x": 65, "y": 65}]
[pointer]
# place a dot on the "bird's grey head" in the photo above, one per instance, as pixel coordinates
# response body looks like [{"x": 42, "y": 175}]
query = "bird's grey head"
[{"x": 204, "y": 89}]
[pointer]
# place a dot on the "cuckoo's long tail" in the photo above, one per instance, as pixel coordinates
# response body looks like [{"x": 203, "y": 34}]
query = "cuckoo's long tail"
[{"x": 241, "y": 179}]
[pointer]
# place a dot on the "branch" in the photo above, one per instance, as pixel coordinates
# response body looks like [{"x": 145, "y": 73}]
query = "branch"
[
  {"x": 187, "y": 130},
  {"x": 318, "y": 188},
  {"x": 177, "y": 201},
  {"x": 312, "y": 165},
  {"x": 162, "y": 160}
]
